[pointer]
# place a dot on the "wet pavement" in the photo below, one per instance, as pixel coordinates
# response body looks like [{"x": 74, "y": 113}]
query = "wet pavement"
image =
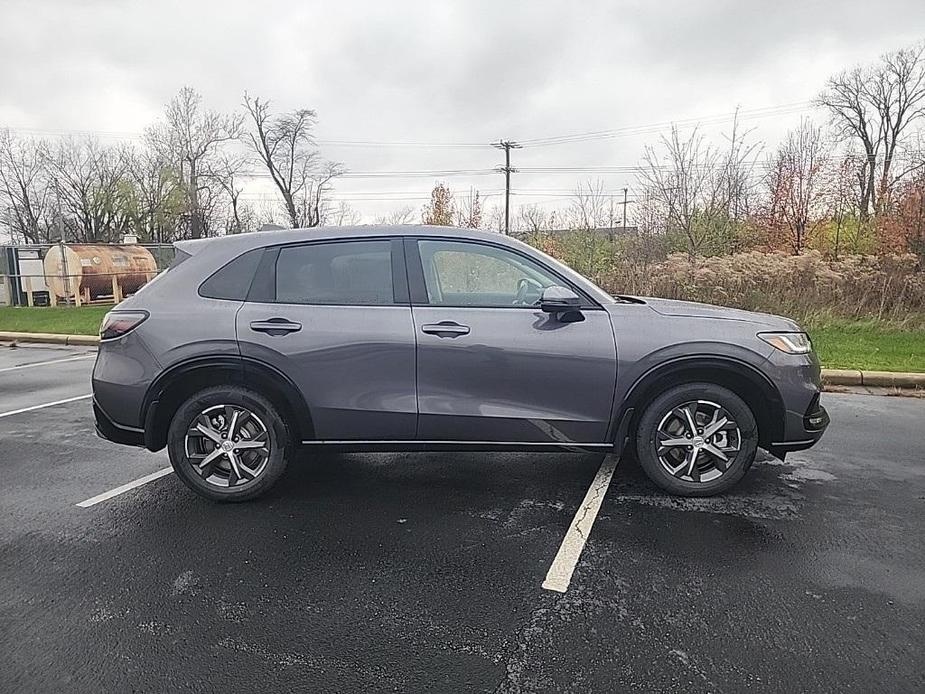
[{"x": 423, "y": 572}]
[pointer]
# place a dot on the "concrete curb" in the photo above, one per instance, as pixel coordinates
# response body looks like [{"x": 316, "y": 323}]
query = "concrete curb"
[
  {"x": 842, "y": 377},
  {"x": 888, "y": 379},
  {"x": 50, "y": 338},
  {"x": 832, "y": 377}
]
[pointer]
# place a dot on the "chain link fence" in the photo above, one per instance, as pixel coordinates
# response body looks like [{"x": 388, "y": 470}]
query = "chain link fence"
[{"x": 78, "y": 274}]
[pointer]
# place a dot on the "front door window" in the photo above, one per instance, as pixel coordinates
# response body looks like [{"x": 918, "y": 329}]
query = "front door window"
[{"x": 479, "y": 275}]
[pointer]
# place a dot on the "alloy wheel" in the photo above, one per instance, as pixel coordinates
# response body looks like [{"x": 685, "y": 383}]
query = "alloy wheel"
[
  {"x": 227, "y": 445},
  {"x": 697, "y": 441}
]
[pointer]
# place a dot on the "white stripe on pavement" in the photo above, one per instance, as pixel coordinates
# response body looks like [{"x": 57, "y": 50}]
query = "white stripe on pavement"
[
  {"x": 124, "y": 488},
  {"x": 560, "y": 571},
  {"x": 46, "y": 363},
  {"x": 47, "y": 404}
]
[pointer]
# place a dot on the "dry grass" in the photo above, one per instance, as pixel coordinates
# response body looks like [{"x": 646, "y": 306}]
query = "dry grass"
[{"x": 807, "y": 287}]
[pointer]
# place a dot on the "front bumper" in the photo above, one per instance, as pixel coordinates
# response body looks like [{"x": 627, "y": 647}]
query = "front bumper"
[
  {"x": 804, "y": 429},
  {"x": 107, "y": 429}
]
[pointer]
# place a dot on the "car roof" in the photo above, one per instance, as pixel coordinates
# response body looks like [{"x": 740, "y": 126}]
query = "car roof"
[
  {"x": 224, "y": 248},
  {"x": 273, "y": 237}
]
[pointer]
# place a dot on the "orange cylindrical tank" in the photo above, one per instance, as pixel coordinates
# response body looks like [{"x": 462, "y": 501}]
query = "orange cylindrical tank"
[{"x": 91, "y": 267}]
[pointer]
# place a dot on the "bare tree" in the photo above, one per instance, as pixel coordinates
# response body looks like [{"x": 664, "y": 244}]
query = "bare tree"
[
  {"x": 681, "y": 180},
  {"x": 189, "y": 135},
  {"x": 285, "y": 145},
  {"x": 343, "y": 215},
  {"x": 225, "y": 170},
  {"x": 795, "y": 182},
  {"x": 737, "y": 175},
  {"x": 843, "y": 188},
  {"x": 88, "y": 179},
  {"x": 533, "y": 219},
  {"x": 157, "y": 194},
  {"x": 403, "y": 215},
  {"x": 469, "y": 210},
  {"x": 23, "y": 184},
  {"x": 494, "y": 220},
  {"x": 875, "y": 106},
  {"x": 646, "y": 245},
  {"x": 590, "y": 207},
  {"x": 702, "y": 191},
  {"x": 589, "y": 211}
]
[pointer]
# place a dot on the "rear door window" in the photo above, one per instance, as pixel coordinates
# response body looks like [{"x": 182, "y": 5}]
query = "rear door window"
[{"x": 346, "y": 273}]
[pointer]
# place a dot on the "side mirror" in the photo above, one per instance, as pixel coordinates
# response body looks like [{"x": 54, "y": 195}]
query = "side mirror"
[{"x": 563, "y": 302}]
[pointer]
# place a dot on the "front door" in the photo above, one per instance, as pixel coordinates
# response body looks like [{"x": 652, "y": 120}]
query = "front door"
[
  {"x": 491, "y": 366},
  {"x": 334, "y": 317}
]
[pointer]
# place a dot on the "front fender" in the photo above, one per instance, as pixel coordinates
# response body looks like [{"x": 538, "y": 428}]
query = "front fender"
[{"x": 736, "y": 368}]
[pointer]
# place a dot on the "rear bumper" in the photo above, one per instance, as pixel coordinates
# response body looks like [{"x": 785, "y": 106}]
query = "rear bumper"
[{"x": 107, "y": 429}]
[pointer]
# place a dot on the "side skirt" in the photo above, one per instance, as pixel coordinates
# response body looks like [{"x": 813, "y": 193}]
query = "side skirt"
[{"x": 461, "y": 446}]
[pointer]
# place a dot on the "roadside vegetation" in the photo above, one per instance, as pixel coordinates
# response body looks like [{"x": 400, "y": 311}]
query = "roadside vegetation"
[
  {"x": 878, "y": 345},
  {"x": 869, "y": 345},
  {"x": 66, "y": 320}
]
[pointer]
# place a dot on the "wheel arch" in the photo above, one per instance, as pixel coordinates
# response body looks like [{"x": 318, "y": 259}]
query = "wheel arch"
[
  {"x": 743, "y": 379},
  {"x": 168, "y": 391}
]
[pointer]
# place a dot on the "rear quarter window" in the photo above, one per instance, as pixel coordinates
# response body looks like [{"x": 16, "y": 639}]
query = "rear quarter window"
[
  {"x": 179, "y": 257},
  {"x": 233, "y": 280}
]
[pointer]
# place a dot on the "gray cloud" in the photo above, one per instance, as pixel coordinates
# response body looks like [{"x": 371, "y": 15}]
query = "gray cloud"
[{"x": 469, "y": 71}]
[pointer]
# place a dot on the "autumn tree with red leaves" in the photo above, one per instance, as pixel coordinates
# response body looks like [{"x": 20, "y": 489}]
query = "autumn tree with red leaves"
[{"x": 796, "y": 190}]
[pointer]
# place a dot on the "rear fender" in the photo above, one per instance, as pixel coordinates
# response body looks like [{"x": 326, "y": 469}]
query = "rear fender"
[{"x": 179, "y": 382}]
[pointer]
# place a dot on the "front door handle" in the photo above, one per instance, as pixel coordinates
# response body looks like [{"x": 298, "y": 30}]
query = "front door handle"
[
  {"x": 275, "y": 326},
  {"x": 446, "y": 328}
]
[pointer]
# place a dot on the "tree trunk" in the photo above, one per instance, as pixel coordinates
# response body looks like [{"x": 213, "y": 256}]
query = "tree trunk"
[{"x": 195, "y": 221}]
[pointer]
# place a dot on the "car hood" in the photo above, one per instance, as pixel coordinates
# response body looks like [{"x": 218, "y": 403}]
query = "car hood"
[{"x": 692, "y": 309}]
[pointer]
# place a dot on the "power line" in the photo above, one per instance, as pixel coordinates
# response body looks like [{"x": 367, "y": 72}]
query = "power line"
[
  {"x": 749, "y": 114},
  {"x": 134, "y": 135},
  {"x": 373, "y": 143},
  {"x": 419, "y": 173},
  {"x": 743, "y": 114}
]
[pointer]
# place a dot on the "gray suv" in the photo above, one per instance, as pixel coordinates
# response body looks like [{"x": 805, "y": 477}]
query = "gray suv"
[{"x": 425, "y": 338}]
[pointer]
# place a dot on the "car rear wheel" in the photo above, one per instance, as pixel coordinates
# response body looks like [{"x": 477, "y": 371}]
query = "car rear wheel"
[
  {"x": 696, "y": 439},
  {"x": 228, "y": 443}
]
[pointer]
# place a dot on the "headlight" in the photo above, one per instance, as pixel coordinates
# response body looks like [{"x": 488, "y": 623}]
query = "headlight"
[{"x": 791, "y": 343}]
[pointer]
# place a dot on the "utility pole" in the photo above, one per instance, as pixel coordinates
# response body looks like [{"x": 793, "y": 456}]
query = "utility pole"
[
  {"x": 507, "y": 146},
  {"x": 624, "y": 209}
]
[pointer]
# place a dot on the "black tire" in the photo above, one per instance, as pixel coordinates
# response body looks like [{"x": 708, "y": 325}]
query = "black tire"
[
  {"x": 702, "y": 480},
  {"x": 266, "y": 423}
]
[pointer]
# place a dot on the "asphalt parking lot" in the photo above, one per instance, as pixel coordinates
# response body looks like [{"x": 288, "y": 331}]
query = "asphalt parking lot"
[{"x": 425, "y": 572}]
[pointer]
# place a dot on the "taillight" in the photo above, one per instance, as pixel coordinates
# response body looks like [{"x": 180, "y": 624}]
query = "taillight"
[{"x": 119, "y": 323}]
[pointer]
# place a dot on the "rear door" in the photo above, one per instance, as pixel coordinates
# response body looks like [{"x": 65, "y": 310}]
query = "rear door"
[
  {"x": 491, "y": 366},
  {"x": 334, "y": 317}
]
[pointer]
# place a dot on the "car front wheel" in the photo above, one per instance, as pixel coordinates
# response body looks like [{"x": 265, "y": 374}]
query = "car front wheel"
[
  {"x": 696, "y": 439},
  {"x": 228, "y": 443}
]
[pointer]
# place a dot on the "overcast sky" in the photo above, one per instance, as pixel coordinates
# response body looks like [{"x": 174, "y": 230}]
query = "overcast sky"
[{"x": 440, "y": 72}]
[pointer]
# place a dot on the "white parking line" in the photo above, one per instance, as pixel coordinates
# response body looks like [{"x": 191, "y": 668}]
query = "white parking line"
[
  {"x": 92, "y": 501},
  {"x": 560, "y": 571},
  {"x": 46, "y": 363},
  {"x": 47, "y": 404}
]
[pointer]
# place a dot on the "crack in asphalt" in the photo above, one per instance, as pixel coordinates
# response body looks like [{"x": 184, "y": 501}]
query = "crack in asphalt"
[{"x": 598, "y": 490}]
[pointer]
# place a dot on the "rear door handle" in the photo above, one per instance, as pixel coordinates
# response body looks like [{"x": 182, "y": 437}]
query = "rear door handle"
[
  {"x": 275, "y": 326},
  {"x": 446, "y": 328}
]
